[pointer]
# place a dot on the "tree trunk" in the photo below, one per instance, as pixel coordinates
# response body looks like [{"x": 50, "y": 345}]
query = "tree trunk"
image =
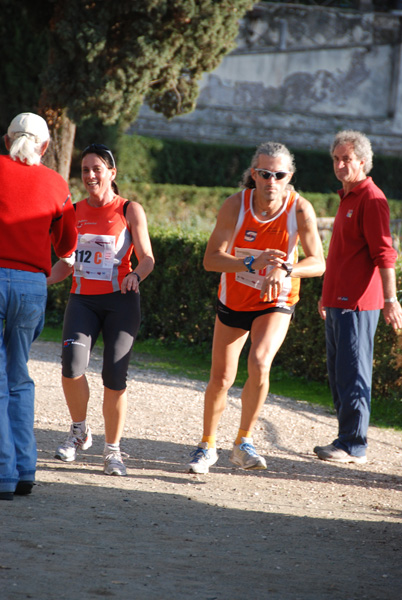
[{"x": 59, "y": 153}]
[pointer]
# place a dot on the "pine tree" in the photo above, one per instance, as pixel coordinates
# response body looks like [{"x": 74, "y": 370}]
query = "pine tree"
[{"x": 106, "y": 58}]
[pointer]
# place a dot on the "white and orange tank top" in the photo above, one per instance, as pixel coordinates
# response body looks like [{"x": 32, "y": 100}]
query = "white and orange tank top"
[
  {"x": 104, "y": 248},
  {"x": 241, "y": 291}
]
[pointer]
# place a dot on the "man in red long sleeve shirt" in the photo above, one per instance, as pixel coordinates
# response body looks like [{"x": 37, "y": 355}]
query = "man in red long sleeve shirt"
[
  {"x": 359, "y": 281},
  {"x": 35, "y": 211}
]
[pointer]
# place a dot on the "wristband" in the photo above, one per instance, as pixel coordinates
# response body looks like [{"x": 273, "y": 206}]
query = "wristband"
[
  {"x": 134, "y": 273},
  {"x": 391, "y": 300},
  {"x": 69, "y": 260},
  {"x": 287, "y": 268}
]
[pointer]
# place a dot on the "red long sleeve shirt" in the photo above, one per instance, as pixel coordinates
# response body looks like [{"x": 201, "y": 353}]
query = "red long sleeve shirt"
[
  {"x": 361, "y": 244},
  {"x": 35, "y": 211}
]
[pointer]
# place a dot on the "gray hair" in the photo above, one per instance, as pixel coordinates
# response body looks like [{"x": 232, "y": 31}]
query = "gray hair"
[
  {"x": 26, "y": 147},
  {"x": 272, "y": 149},
  {"x": 361, "y": 146}
]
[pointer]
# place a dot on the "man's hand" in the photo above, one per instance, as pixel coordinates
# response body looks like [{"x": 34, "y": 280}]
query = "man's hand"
[
  {"x": 272, "y": 284},
  {"x": 321, "y": 310},
  {"x": 392, "y": 312},
  {"x": 270, "y": 257}
]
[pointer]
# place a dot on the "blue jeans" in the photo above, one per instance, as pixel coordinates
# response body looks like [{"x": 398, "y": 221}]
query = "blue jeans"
[
  {"x": 22, "y": 309},
  {"x": 350, "y": 344}
]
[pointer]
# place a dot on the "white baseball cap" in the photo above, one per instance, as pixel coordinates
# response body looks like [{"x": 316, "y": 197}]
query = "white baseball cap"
[{"x": 30, "y": 124}]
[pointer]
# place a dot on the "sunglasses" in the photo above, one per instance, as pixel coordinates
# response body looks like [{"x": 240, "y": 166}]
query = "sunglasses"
[
  {"x": 95, "y": 148},
  {"x": 275, "y": 174}
]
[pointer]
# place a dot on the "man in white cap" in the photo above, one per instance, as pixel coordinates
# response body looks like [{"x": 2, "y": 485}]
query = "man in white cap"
[{"x": 35, "y": 212}]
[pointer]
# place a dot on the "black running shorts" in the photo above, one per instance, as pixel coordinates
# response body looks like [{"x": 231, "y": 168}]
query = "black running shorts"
[{"x": 244, "y": 318}]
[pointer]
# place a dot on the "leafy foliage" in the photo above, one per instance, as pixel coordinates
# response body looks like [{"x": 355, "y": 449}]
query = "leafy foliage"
[
  {"x": 24, "y": 36},
  {"x": 143, "y": 159},
  {"x": 180, "y": 298},
  {"x": 107, "y": 57},
  {"x": 101, "y": 60},
  {"x": 180, "y": 162}
]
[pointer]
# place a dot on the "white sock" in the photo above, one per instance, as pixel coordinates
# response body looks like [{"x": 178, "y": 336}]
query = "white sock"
[
  {"x": 111, "y": 447},
  {"x": 81, "y": 425}
]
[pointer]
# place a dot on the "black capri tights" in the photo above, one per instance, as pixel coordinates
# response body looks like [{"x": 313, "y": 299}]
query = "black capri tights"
[{"x": 118, "y": 317}]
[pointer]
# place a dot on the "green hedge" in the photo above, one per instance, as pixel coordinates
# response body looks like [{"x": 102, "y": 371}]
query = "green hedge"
[
  {"x": 178, "y": 304},
  {"x": 150, "y": 160},
  {"x": 169, "y": 161},
  {"x": 178, "y": 297},
  {"x": 197, "y": 207}
]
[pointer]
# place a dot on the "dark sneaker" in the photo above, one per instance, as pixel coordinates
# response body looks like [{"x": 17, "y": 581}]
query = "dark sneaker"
[
  {"x": 6, "y": 495},
  {"x": 24, "y": 488},
  {"x": 333, "y": 454}
]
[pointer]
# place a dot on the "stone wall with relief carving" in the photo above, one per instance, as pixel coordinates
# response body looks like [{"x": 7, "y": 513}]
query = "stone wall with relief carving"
[{"x": 299, "y": 74}]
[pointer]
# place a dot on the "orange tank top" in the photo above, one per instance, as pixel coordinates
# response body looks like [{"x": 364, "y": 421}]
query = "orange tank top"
[
  {"x": 241, "y": 291},
  {"x": 104, "y": 248}
]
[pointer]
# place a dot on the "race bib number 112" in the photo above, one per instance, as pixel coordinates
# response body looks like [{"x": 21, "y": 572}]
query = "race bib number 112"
[{"x": 95, "y": 256}]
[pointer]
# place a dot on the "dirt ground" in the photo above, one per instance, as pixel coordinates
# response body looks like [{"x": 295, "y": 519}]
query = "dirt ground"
[{"x": 301, "y": 530}]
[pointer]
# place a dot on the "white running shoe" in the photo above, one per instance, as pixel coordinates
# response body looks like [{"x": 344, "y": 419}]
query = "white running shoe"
[
  {"x": 114, "y": 464},
  {"x": 203, "y": 458},
  {"x": 76, "y": 440},
  {"x": 245, "y": 456}
]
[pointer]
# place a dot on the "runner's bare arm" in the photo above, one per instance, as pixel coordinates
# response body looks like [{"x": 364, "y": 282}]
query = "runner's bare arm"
[
  {"x": 137, "y": 224},
  {"x": 313, "y": 265},
  {"x": 59, "y": 272},
  {"x": 216, "y": 257}
]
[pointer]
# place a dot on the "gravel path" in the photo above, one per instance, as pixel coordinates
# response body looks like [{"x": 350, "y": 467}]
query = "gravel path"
[{"x": 301, "y": 530}]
